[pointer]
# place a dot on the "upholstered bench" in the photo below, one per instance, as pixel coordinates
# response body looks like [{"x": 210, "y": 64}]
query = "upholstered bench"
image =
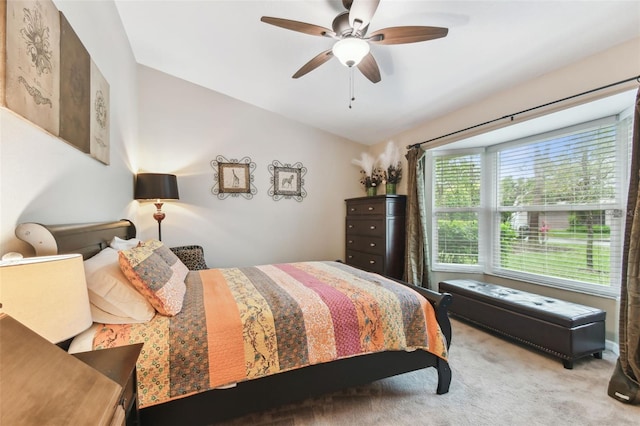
[{"x": 566, "y": 330}]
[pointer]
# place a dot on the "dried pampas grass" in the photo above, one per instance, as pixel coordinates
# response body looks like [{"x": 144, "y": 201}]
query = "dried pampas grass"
[
  {"x": 391, "y": 157},
  {"x": 366, "y": 162}
]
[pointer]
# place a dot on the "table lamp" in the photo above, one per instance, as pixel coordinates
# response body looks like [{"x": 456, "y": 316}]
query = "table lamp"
[
  {"x": 47, "y": 294},
  {"x": 156, "y": 186}
]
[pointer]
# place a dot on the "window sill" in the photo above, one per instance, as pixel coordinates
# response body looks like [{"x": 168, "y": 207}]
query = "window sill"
[{"x": 604, "y": 292}]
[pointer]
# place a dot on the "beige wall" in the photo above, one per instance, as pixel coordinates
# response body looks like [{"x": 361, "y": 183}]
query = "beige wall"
[
  {"x": 42, "y": 178},
  {"x": 183, "y": 127},
  {"x": 616, "y": 64},
  {"x": 163, "y": 124}
]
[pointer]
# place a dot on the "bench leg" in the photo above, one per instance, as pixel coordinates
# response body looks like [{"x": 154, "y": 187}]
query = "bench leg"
[
  {"x": 568, "y": 364},
  {"x": 597, "y": 355}
]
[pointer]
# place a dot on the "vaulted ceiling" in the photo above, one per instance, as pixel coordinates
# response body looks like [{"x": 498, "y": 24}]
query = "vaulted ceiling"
[{"x": 491, "y": 45}]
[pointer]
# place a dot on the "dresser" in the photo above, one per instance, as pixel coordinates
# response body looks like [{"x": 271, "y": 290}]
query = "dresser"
[{"x": 375, "y": 231}]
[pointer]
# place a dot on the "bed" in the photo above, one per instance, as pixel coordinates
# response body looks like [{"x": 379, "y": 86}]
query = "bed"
[{"x": 280, "y": 363}]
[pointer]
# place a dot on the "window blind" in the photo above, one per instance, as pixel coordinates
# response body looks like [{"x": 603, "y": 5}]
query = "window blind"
[
  {"x": 559, "y": 206},
  {"x": 457, "y": 199}
]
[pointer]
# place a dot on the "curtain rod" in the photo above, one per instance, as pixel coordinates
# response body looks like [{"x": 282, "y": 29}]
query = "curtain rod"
[{"x": 417, "y": 145}]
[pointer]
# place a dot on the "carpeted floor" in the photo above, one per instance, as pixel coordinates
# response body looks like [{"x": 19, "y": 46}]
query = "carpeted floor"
[{"x": 495, "y": 382}]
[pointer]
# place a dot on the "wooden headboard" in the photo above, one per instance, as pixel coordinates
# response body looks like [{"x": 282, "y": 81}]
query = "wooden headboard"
[{"x": 84, "y": 238}]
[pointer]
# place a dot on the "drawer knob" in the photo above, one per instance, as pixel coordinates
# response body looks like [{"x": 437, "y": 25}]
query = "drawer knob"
[
  {"x": 372, "y": 244},
  {"x": 372, "y": 227},
  {"x": 350, "y": 257},
  {"x": 370, "y": 209},
  {"x": 350, "y": 226},
  {"x": 372, "y": 262},
  {"x": 353, "y": 209},
  {"x": 350, "y": 241}
]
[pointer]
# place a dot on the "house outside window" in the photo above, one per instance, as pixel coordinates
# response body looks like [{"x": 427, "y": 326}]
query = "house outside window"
[{"x": 547, "y": 209}]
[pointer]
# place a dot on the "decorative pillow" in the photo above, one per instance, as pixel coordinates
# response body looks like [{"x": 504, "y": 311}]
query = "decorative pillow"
[
  {"x": 111, "y": 291},
  {"x": 191, "y": 256},
  {"x": 168, "y": 256},
  {"x": 120, "y": 244},
  {"x": 158, "y": 282}
]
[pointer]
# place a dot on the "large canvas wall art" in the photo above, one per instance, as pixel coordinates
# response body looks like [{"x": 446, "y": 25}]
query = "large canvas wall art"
[
  {"x": 75, "y": 66},
  {"x": 3, "y": 50},
  {"x": 99, "y": 116},
  {"x": 48, "y": 76},
  {"x": 32, "y": 80}
]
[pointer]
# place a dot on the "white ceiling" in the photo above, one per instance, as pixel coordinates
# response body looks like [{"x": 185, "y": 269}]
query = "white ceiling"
[{"x": 491, "y": 46}]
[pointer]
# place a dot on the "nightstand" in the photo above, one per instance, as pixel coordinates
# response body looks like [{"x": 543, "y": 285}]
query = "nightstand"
[
  {"x": 119, "y": 364},
  {"x": 43, "y": 385}
]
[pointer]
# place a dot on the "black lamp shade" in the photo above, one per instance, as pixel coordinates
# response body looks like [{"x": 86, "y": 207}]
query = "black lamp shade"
[{"x": 156, "y": 186}]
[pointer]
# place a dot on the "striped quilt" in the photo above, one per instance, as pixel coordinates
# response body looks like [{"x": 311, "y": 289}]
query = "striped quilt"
[{"x": 239, "y": 324}]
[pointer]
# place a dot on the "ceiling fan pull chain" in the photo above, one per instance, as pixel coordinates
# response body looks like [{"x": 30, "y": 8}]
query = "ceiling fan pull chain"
[{"x": 351, "y": 89}]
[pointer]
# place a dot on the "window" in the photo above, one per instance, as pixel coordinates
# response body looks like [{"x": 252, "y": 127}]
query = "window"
[
  {"x": 456, "y": 197},
  {"x": 548, "y": 208}
]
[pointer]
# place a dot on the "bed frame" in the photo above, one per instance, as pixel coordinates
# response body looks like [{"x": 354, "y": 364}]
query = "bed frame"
[{"x": 258, "y": 394}]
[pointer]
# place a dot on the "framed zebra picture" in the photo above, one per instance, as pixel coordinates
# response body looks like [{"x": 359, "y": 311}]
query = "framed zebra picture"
[
  {"x": 233, "y": 177},
  {"x": 287, "y": 181}
]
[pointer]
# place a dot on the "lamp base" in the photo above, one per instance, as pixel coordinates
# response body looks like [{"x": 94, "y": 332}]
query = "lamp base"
[{"x": 159, "y": 216}]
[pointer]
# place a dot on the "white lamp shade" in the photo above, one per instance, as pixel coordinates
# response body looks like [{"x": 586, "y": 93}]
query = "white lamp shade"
[
  {"x": 350, "y": 50},
  {"x": 47, "y": 294}
]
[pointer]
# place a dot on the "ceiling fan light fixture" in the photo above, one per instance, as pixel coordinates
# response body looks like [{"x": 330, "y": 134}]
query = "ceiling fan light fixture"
[{"x": 350, "y": 50}]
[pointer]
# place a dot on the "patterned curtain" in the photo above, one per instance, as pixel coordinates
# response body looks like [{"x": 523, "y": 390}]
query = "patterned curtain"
[
  {"x": 624, "y": 384},
  {"x": 416, "y": 261}
]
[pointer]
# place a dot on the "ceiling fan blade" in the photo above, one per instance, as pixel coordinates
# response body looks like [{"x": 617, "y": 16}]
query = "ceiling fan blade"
[
  {"x": 401, "y": 35},
  {"x": 361, "y": 12},
  {"x": 301, "y": 27},
  {"x": 314, "y": 63},
  {"x": 369, "y": 68}
]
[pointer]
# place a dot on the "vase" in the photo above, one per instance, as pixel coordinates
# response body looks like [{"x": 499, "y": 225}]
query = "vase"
[
  {"x": 391, "y": 189},
  {"x": 372, "y": 191}
]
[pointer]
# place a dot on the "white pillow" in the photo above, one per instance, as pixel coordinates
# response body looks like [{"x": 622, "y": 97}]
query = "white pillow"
[
  {"x": 111, "y": 292},
  {"x": 120, "y": 244},
  {"x": 102, "y": 317},
  {"x": 83, "y": 342}
]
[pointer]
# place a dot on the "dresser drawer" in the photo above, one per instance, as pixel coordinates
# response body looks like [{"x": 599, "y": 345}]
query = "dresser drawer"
[
  {"x": 380, "y": 206},
  {"x": 368, "y": 227},
  {"x": 366, "y": 207},
  {"x": 373, "y": 245},
  {"x": 369, "y": 262}
]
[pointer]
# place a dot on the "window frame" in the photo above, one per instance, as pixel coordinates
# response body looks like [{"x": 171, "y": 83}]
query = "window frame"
[
  {"x": 489, "y": 211},
  {"x": 480, "y": 210}
]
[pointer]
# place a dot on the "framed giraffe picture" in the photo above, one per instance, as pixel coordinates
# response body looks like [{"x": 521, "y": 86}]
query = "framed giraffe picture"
[{"x": 233, "y": 177}]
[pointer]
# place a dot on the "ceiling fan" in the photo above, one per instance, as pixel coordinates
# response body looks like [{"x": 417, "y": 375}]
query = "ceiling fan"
[{"x": 349, "y": 28}]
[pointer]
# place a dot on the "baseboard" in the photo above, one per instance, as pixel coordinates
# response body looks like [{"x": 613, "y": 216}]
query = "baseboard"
[{"x": 612, "y": 346}]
